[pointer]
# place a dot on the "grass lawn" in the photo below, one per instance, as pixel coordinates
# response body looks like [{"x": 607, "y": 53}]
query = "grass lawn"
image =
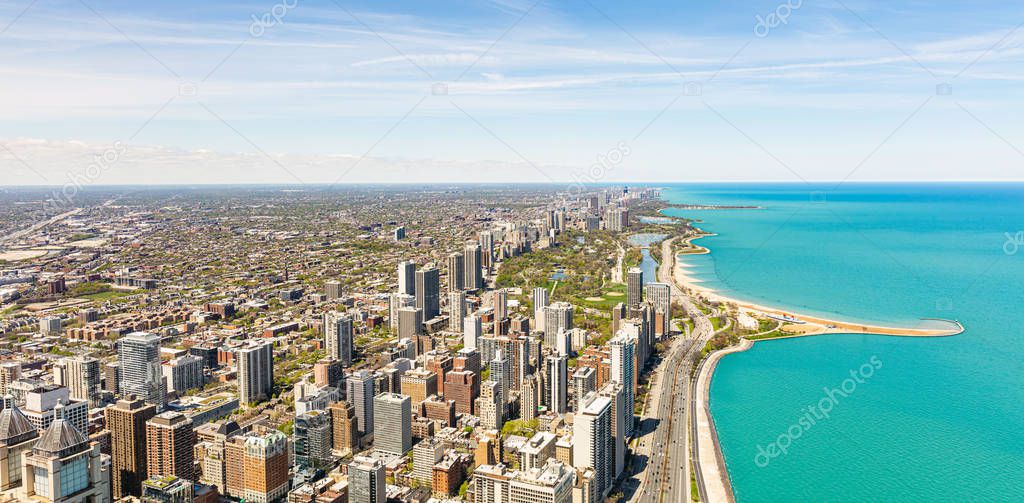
[
  {"x": 108, "y": 295},
  {"x": 612, "y": 295}
]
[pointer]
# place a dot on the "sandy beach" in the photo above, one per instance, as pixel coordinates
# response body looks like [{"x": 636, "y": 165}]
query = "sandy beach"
[{"x": 813, "y": 325}]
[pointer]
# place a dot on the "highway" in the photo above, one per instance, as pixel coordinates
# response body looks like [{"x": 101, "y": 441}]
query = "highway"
[{"x": 666, "y": 476}]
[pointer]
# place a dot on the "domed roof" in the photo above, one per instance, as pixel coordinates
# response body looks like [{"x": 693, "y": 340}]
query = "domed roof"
[
  {"x": 61, "y": 438},
  {"x": 15, "y": 428}
]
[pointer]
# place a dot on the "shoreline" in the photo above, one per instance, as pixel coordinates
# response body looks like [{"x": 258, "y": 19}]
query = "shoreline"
[
  {"x": 814, "y": 325},
  {"x": 707, "y": 451}
]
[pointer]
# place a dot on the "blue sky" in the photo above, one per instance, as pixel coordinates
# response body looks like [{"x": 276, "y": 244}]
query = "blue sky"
[{"x": 324, "y": 91}]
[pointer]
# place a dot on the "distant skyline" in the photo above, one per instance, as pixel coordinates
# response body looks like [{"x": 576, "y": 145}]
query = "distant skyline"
[{"x": 295, "y": 91}]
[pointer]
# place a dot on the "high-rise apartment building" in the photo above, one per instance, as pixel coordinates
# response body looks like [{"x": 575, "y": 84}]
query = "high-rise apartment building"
[
  {"x": 584, "y": 381},
  {"x": 359, "y": 389},
  {"x": 529, "y": 397},
  {"x": 264, "y": 467},
  {"x": 634, "y": 287},
  {"x": 410, "y": 322},
  {"x": 344, "y": 430},
  {"x": 9, "y": 372},
  {"x": 407, "y": 278},
  {"x": 183, "y": 373},
  {"x": 472, "y": 328},
  {"x": 126, "y": 421},
  {"x": 428, "y": 292},
  {"x": 614, "y": 392},
  {"x": 592, "y": 440},
  {"x": 623, "y": 349},
  {"x": 338, "y": 337},
  {"x": 397, "y": 302},
  {"x": 366, "y": 481},
  {"x": 660, "y": 296},
  {"x": 141, "y": 375},
  {"x": 169, "y": 442},
  {"x": 456, "y": 310},
  {"x": 557, "y": 375},
  {"x": 474, "y": 272},
  {"x": 392, "y": 428},
  {"x": 489, "y": 406},
  {"x": 313, "y": 439},
  {"x": 255, "y": 372},
  {"x": 456, "y": 272},
  {"x": 82, "y": 377},
  {"x": 500, "y": 305},
  {"x": 462, "y": 387},
  {"x": 418, "y": 384},
  {"x": 540, "y": 301},
  {"x": 333, "y": 290},
  {"x": 557, "y": 317}
]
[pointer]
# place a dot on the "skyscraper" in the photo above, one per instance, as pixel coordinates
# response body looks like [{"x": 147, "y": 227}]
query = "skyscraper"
[
  {"x": 366, "y": 481},
  {"x": 264, "y": 466},
  {"x": 557, "y": 369},
  {"x": 82, "y": 378},
  {"x": 613, "y": 391},
  {"x": 313, "y": 437},
  {"x": 183, "y": 373},
  {"x": 359, "y": 392},
  {"x": 456, "y": 272},
  {"x": 489, "y": 406},
  {"x": 529, "y": 397},
  {"x": 557, "y": 316},
  {"x": 540, "y": 301},
  {"x": 584, "y": 381},
  {"x": 456, "y": 310},
  {"x": 486, "y": 248},
  {"x": 392, "y": 423},
  {"x": 472, "y": 329},
  {"x": 660, "y": 296},
  {"x": 501, "y": 373},
  {"x": 428, "y": 292},
  {"x": 169, "y": 443},
  {"x": 410, "y": 322},
  {"x": 397, "y": 302},
  {"x": 634, "y": 287},
  {"x": 141, "y": 375},
  {"x": 500, "y": 305},
  {"x": 255, "y": 372},
  {"x": 9, "y": 372},
  {"x": 345, "y": 432},
  {"x": 333, "y": 289},
  {"x": 474, "y": 274},
  {"x": 623, "y": 349},
  {"x": 64, "y": 466},
  {"x": 126, "y": 422},
  {"x": 418, "y": 384},
  {"x": 17, "y": 436},
  {"x": 407, "y": 278},
  {"x": 592, "y": 439},
  {"x": 338, "y": 335}
]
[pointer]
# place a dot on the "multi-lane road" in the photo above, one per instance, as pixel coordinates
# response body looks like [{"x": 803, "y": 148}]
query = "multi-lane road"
[{"x": 666, "y": 476}]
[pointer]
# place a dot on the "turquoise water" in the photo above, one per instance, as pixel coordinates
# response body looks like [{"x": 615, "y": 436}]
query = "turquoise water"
[{"x": 940, "y": 419}]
